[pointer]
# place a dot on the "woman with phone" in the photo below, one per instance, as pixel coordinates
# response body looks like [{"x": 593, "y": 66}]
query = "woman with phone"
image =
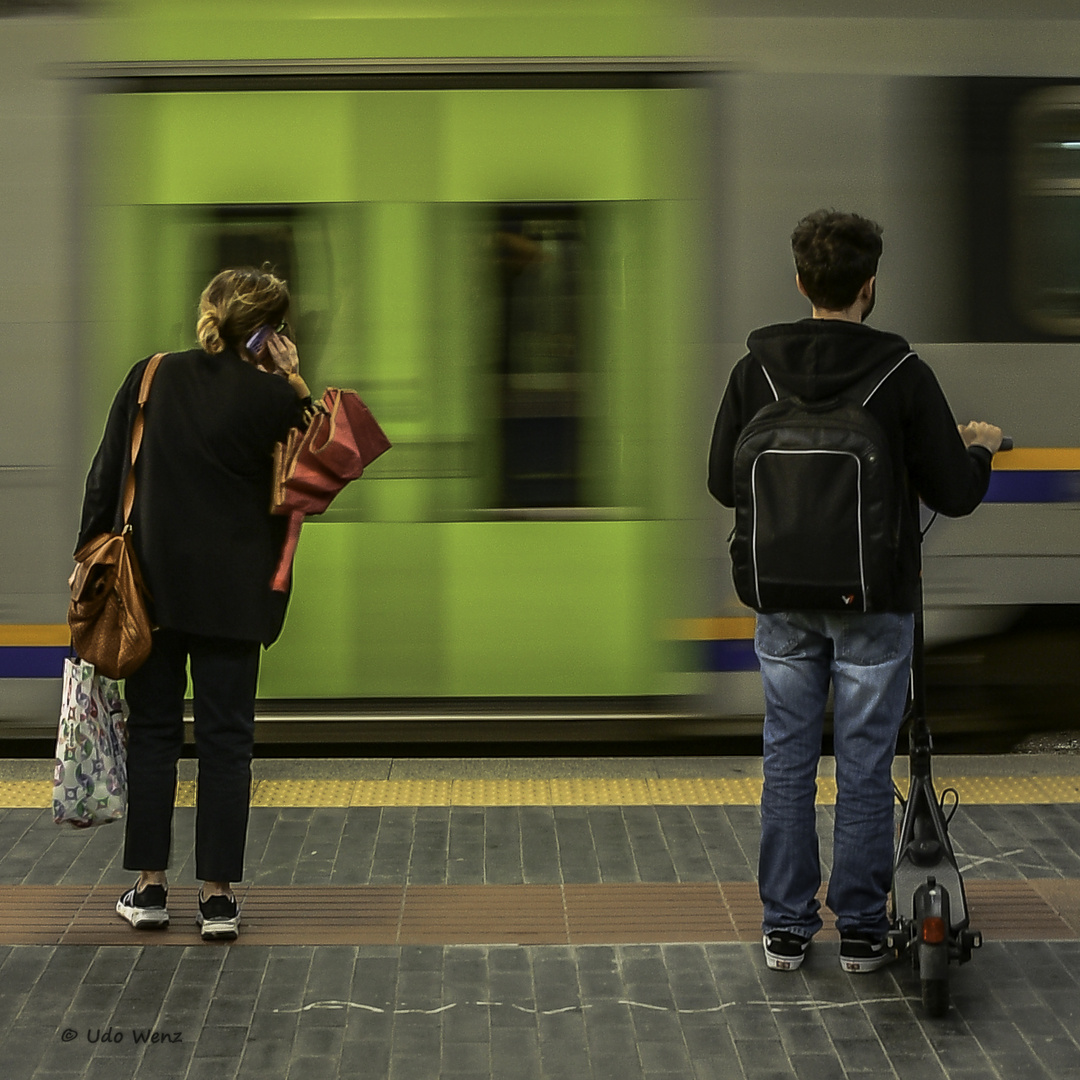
[{"x": 207, "y": 546}]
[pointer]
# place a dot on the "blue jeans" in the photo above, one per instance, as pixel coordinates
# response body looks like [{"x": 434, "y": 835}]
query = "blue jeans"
[{"x": 868, "y": 659}]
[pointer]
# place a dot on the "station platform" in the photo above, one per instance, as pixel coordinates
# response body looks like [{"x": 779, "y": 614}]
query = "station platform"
[{"x": 524, "y": 918}]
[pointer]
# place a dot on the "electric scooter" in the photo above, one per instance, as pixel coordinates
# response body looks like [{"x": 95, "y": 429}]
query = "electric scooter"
[{"x": 930, "y": 923}]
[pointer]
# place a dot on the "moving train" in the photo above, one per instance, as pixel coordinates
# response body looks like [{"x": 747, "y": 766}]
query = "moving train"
[{"x": 534, "y": 237}]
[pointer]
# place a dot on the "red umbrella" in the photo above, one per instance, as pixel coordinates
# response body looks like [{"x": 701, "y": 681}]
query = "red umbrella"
[{"x": 312, "y": 466}]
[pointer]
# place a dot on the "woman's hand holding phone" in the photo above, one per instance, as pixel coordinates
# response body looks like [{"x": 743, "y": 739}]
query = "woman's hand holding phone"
[{"x": 280, "y": 355}]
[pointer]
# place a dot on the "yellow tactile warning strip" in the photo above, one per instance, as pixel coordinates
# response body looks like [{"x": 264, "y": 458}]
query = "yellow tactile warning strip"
[
  {"x": 585, "y": 791},
  {"x": 491, "y": 914}
]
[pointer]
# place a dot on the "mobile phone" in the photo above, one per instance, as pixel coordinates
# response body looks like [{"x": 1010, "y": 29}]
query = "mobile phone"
[{"x": 257, "y": 342}]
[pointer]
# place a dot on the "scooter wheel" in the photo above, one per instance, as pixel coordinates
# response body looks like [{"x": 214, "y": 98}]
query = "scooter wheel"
[{"x": 935, "y": 996}]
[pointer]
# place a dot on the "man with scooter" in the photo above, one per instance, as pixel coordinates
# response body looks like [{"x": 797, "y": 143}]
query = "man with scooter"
[{"x": 829, "y": 434}]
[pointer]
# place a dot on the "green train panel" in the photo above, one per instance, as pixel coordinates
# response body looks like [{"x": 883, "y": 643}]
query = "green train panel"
[{"x": 508, "y": 278}]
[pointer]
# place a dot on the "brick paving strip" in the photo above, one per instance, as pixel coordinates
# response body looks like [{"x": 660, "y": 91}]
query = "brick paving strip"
[{"x": 584, "y": 914}]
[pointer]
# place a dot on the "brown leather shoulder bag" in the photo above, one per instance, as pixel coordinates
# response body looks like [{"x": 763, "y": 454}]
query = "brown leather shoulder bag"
[{"x": 108, "y": 615}]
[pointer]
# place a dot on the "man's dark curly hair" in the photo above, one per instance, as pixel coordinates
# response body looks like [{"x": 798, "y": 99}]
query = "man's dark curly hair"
[{"x": 835, "y": 254}]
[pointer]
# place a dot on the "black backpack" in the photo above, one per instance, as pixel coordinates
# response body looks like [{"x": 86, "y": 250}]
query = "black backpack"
[{"x": 816, "y": 505}]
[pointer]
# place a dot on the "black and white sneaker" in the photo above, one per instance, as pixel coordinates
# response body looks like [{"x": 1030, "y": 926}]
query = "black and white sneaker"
[
  {"x": 860, "y": 953},
  {"x": 145, "y": 910},
  {"x": 219, "y": 918},
  {"x": 784, "y": 951}
]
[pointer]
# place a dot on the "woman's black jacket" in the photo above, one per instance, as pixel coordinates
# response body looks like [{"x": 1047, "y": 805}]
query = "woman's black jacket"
[{"x": 203, "y": 533}]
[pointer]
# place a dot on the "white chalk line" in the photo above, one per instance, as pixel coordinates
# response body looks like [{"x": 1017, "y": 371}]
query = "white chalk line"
[{"x": 803, "y": 1005}]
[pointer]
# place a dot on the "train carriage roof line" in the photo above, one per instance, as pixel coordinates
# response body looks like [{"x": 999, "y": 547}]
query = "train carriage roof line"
[{"x": 582, "y": 72}]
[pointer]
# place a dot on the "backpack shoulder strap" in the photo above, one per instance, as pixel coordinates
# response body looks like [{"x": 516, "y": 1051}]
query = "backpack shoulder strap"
[
  {"x": 861, "y": 391},
  {"x": 867, "y": 387},
  {"x": 777, "y": 389}
]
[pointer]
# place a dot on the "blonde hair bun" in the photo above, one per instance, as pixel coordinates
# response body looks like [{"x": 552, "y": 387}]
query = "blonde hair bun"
[{"x": 236, "y": 303}]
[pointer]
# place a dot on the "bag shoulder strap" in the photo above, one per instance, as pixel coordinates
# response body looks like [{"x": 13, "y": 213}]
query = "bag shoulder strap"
[{"x": 137, "y": 432}]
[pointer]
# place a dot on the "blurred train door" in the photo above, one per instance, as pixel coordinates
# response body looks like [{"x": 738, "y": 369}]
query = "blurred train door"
[{"x": 507, "y": 275}]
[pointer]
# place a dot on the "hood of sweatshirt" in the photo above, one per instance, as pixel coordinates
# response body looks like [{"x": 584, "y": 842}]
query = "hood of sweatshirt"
[{"x": 820, "y": 358}]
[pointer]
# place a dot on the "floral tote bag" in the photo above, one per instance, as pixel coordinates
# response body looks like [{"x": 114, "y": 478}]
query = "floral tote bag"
[{"x": 90, "y": 779}]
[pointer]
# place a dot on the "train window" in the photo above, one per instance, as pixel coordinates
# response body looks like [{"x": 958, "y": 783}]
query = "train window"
[
  {"x": 1048, "y": 241},
  {"x": 539, "y": 255},
  {"x": 252, "y": 236},
  {"x": 294, "y": 241}
]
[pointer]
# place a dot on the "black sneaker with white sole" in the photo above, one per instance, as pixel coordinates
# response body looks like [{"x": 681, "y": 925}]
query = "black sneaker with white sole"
[
  {"x": 784, "y": 951},
  {"x": 218, "y": 918},
  {"x": 860, "y": 953},
  {"x": 145, "y": 910}
]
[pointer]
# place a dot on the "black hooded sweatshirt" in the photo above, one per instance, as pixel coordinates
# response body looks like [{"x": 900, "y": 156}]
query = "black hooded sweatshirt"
[{"x": 819, "y": 358}]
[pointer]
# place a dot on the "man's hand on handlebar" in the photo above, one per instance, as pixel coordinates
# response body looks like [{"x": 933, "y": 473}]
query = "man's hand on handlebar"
[{"x": 979, "y": 433}]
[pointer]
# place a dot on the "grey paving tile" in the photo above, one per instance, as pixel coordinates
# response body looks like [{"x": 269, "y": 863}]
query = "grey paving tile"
[
  {"x": 313, "y": 1068},
  {"x": 651, "y": 854},
  {"x": 626, "y": 1067},
  {"x": 221, "y": 1041},
  {"x": 656, "y": 1026},
  {"x": 365, "y": 1057},
  {"x": 466, "y": 1023},
  {"x": 264, "y": 1058},
  {"x": 515, "y": 1052},
  {"x": 413, "y": 1067},
  {"x": 357, "y": 848},
  {"x": 539, "y": 846},
  {"x": 563, "y": 1058},
  {"x": 609, "y": 1028},
  {"x": 274, "y": 1027},
  {"x": 241, "y": 981},
  {"x": 807, "y": 1037},
  {"x": 614, "y": 852},
  {"x": 577, "y": 853},
  {"x": 23, "y": 1048},
  {"x": 668, "y": 1057},
  {"x": 423, "y": 959},
  {"x": 464, "y": 978},
  {"x": 861, "y": 1055},
  {"x": 1024, "y": 1065},
  {"x": 502, "y": 846},
  {"x": 916, "y": 1066},
  {"x": 431, "y": 847},
  {"x": 466, "y": 1058},
  {"x": 229, "y": 1012},
  {"x": 150, "y": 1069},
  {"x": 23, "y": 967},
  {"x": 332, "y": 977},
  {"x": 374, "y": 979},
  {"x": 91, "y": 1003},
  {"x": 393, "y": 845},
  {"x": 684, "y": 843},
  {"x": 815, "y": 1066},
  {"x": 746, "y": 827},
  {"x": 318, "y": 1040},
  {"x": 1056, "y": 1054},
  {"x": 466, "y": 846},
  {"x": 721, "y": 846},
  {"x": 763, "y": 1057},
  {"x": 415, "y": 1036}
]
